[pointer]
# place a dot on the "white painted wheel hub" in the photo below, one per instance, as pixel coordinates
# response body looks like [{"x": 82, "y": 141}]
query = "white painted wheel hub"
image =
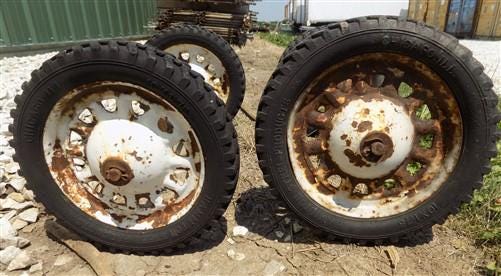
[
  {"x": 128, "y": 159},
  {"x": 358, "y": 119}
]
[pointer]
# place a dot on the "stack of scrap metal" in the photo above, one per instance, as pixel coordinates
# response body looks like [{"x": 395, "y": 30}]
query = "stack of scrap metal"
[{"x": 231, "y": 19}]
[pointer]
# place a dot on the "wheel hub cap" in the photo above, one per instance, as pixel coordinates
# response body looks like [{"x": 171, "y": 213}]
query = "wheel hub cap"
[{"x": 370, "y": 138}]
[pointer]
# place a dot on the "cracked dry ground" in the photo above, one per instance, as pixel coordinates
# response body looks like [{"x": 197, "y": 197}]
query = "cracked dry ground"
[{"x": 277, "y": 242}]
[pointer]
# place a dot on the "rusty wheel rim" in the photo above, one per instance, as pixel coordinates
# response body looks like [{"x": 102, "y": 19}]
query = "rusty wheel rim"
[
  {"x": 123, "y": 155},
  {"x": 374, "y": 135},
  {"x": 207, "y": 64}
]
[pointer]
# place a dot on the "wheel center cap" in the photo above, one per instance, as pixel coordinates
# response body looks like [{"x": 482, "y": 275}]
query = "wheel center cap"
[
  {"x": 370, "y": 138},
  {"x": 122, "y": 152},
  {"x": 116, "y": 171}
]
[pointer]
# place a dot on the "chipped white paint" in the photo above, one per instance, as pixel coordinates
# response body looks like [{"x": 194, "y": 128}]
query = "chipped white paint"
[
  {"x": 204, "y": 62},
  {"x": 126, "y": 127},
  {"x": 384, "y": 116}
]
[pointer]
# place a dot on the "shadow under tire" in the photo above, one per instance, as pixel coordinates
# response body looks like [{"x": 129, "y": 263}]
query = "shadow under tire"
[
  {"x": 174, "y": 129},
  {"x": 233, "y": 77},
  {"x": 355, "y": 67}
]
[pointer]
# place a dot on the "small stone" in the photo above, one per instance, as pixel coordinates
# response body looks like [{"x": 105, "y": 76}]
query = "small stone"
[
  {"x": 287, "y": 220},
  {"x": 235, "y": 255},
  {"x": 12, "y": 168},
  {"x": 28, "y": 194},
  {"x": 4, "y": 130},
  {"x": 29, "y": 228},
  {"x": 296, "y": 227},
  {"x": 36, "y": 267},
  {"x": 62, "y": 260},
  {"x": 8, "y": 254},
  {"x": 6, "y": 229},
  {"x": 9, "y": 215},
  {"x": 3, "y": 188},
  {"x": 29, "y": 215},
  {"x": 5, "y": 159},
  {"x": 19, "y": 224},
  {"x": 273, "y": 268},
  {"x": 82, "y": 270},
  {"x": 22, "y": 260},
  {"x": 230, "y": 241},
  {"x": 10, "y": 204},
  {"x": 240, "y": 231},
  {"x": 18, "y": 197},
  {"x": 17, "y": 183},
  {"x": 279, "y": 234},
  {"x": 2, "y": 174},
  {"x": 14, "y": 241},
  {"x": 287, "y": 238}
]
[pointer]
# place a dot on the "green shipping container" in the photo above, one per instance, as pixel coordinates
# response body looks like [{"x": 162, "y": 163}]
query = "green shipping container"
[{"x": 28, "y": 25}]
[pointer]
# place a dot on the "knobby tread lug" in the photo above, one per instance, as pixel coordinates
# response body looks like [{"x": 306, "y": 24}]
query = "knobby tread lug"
[{"x": 216, "y": 110}]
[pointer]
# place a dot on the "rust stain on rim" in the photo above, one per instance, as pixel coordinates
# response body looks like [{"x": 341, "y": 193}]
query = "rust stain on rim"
[{"x": 333, "y": 91}]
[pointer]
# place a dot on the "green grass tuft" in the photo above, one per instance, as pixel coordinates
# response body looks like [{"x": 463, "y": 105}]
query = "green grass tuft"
[
  {"x": 481, "y": 218},
  {"x": 281, "y": 39}
]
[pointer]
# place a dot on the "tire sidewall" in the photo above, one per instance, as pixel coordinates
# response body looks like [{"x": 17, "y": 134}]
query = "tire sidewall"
[{"x": 453, "y": 71}]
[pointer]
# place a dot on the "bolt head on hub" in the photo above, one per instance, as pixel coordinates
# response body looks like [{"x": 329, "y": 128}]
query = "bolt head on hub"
[{"x": 116, "y": 171}]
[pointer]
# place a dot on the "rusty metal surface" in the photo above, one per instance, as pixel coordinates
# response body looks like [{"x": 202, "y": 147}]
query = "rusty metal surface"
[
  {"x": 123, "y": 155},
  {"x": 207, "y": 64},
  {"x": 357, "y": 144},
  {"x": 232, "y": 20}
]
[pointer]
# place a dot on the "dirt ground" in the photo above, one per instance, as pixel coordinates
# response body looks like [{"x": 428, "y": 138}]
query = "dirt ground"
[{"x": 277, "y": 242}]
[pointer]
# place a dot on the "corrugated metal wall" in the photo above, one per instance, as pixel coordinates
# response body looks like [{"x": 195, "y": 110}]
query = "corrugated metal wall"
[{"x": 42, "y": 23}]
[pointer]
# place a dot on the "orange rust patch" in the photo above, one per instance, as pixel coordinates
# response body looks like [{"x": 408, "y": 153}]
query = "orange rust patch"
[
  {"x": 70, "y": 184},
  {"x": 162, "y": 217},
  {"x": 364, "y": 126},
  {"x": 164, "y": 125},
  {"x": 355, "y": 159}
]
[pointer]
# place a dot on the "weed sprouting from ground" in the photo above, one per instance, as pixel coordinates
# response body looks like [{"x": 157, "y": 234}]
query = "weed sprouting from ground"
[
  {"x": 481, "y": 218},
  {"x": 281, "y": 39}
]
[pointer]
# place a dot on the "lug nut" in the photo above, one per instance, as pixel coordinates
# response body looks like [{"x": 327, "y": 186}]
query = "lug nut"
[
  {"x": 377, "y": 148},
  {"x": 113, "y": 175}
]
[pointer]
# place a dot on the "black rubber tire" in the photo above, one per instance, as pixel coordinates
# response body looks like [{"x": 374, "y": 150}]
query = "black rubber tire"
[
  {"x": 300, "y": 37},
  {"x": 197, "y": 35},
  {"x": 167, "y": 77},
  {"x": 327, "y": 46}
]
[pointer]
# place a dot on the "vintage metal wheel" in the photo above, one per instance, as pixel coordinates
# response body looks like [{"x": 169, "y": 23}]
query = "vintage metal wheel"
[
  {"x": 126, "y": 146},
  {"x": 209, "y": 55},
  {"x": 369, "y": 132},
  {"x": 376, "y": 128},
  {"x": 134, "y": 162},
  {"x": 206, "y": 63}
]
